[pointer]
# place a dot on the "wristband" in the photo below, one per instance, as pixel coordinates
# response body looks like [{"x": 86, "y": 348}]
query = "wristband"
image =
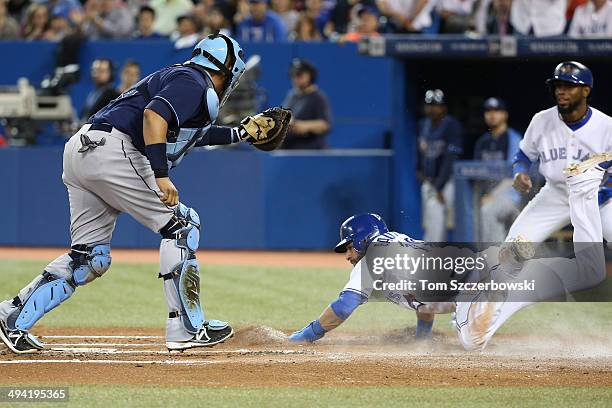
[{"x": 156, "y": 153}]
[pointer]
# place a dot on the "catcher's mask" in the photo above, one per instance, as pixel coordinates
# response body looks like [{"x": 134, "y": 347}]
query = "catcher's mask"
[
  {"x": 360, "y": 229},
  {"x": 215, "y": 52}
]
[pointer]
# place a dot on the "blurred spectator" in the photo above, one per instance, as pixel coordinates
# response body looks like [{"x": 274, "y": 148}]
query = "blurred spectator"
[
  {"x": 59, "y": 26},
  {"x": 571, "y": 8},
  {"x": 311, "y": 111},
  {"x": 146, "y": 21},
  {"x": 285, "y": 10},
  {"x": 187, "y": 33},
  {"x": 500, "y": 204},
  {"x": 341, "y": 15},
  {"x": 593, "y": 19},
  {"x": 8, "y": 25},
  {"x": 457, "y": 16},
  {"x": 216, "y": 21},
  {"x": 242, "y": 12},
  {"x": 498, "y": 20},
  {"x": 263, "y": 25},
  {"x": 17, "y": 8},
  {"x": 367, "y": 26},
  {"x": 102, "y": 74},
  {"x": 319, "y": 14},
  {"x": 130, "y": 75},
  {"x": 167, "y": 11},
  {"x": 306, "y": 30},
  {"x": 440, "y": 144},
  {"x": 541, "y": 18},
  {"x": 107, "y": 19},
  {"x": 36, "y": 22},
  {"x": 407, "y": 16}
]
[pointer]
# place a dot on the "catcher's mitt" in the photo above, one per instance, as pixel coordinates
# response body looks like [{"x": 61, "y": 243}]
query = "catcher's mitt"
[{"x": 267, "y": 130}]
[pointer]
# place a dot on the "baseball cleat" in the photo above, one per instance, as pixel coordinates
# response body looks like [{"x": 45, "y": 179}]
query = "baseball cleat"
[
  {"x": 601, "y": 162},
  {"x": 208, "y": 336},
  {"x": 19, "y": 342}
]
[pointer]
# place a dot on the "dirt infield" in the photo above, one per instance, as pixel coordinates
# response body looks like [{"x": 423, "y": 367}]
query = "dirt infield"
[
  {"x": 286, "y": 259},
  {"x": 260, "y": 356}
]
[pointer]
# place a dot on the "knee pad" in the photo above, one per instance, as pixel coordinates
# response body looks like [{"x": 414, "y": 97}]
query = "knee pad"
[
  {"x": 184, "y": 228},
  {"x": 48, "y": 292},
  {"x": 89, "y": 262},
  {"x": 179, "y": 268}
]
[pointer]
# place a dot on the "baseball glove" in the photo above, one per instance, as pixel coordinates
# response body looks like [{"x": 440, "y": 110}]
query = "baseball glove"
[{"x": 267, "y": 130}]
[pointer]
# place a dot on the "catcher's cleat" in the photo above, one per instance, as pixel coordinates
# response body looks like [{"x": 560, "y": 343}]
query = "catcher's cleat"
[
  {"x": 601, "y": 162},
  {"x": 18, "y": 341},
  {"x": 208, "y": 336}
]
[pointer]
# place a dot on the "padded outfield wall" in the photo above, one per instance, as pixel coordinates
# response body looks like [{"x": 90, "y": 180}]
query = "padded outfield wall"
[{"x": 296, "y": 201}]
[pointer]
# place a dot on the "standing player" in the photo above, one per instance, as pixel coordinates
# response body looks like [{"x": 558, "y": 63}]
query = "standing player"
[
  {"x": 477, "y": 321},
  {"x": 119, "y": 162},
  {"x": 356, "y": 234},
  {"x": 558, "y": 137},
  {"x": 440, "y": 144}
]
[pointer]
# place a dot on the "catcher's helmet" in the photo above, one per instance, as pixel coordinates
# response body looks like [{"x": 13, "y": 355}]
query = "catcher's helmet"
[
  {"x": 360, "y": 230},
  {"x": 572, "y": 72},
  {"x": 214, "y": 52}
]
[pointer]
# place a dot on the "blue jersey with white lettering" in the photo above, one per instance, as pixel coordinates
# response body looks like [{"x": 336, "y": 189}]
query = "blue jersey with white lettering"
[{"x": 181, "y": 94}]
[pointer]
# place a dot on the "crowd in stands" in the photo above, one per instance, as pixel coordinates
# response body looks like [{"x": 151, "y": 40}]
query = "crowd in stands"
[{"x": 186, "y": 21}]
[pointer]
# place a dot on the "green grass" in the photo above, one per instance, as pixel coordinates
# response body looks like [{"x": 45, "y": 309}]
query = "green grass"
[
  {"x": 423, "y": 397},
  {"x": 130, "y": 295}
]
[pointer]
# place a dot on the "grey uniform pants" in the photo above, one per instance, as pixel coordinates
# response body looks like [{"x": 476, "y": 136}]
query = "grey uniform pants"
[{"x": 106, "y": 181}]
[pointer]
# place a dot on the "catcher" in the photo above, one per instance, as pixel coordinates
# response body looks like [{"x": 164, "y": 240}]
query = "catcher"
[{"x": 119, "y": 162}]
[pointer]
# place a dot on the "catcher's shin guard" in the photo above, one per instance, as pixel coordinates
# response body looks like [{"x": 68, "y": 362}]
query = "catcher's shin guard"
[
  {"x": 181, "y": 274},
  {"x": 57, "y": 283}
]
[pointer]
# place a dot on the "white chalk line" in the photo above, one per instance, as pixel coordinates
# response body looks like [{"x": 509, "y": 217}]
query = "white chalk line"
[
  {"x": 133, "y": 337},
  {"x": 136, "y": 362},
  {"x": 94, "y": 350},
  {"x": 105, "y": 344}
]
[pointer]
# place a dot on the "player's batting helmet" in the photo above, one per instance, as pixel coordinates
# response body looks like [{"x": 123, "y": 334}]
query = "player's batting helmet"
[
  {"x": 215, "y": 52},
  {"x": 360, "y": 230},
  {"x": 572, "y": 72}
]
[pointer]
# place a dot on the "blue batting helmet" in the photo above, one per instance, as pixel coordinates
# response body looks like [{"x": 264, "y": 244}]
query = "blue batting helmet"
[
  {"x": 215, "y": 52},
  {"x": 572, "y": 72},
  {"x": 360, "y": 230}
]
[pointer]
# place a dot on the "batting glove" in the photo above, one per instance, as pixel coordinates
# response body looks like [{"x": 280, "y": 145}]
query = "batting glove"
[
  {"x": 604, "y": 195},
  {"x": 308, "y": 334}
]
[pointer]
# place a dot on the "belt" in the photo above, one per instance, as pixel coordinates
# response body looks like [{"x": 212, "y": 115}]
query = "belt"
[{"x": 104, "y": 127}]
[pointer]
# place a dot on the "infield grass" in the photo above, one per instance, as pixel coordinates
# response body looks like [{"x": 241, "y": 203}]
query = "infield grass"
[
  {"x": 130, "y": 295},
  {"x": 423, "y": 397}
]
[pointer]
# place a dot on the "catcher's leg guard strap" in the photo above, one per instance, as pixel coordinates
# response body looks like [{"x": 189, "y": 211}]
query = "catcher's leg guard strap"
[
  {"x": 47, "y": 293},
  {"x": 181, "y": 274}
]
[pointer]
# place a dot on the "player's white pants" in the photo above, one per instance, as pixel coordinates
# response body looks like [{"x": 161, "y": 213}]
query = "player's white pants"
[
  {"x": 437, "y": 216},
  {"x": 477, "y": 322},
  {"x": 548, "y": 212}
]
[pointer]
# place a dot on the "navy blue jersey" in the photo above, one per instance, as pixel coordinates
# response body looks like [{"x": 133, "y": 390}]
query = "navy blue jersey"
[
  {"x": 176, "y": 93},
  {"x": 502, "y": 148},
  {"x": 439, "y": 147}
]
